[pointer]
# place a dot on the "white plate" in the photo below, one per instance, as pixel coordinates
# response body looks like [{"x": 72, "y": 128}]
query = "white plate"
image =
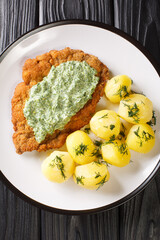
[{"x": 22, "y": 173}]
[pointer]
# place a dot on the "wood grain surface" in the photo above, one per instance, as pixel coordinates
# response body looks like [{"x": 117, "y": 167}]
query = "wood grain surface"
[{"x": 139, "y": 218}]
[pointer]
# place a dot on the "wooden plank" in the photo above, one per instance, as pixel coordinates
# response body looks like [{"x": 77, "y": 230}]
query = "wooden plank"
[
  {"x": 17, "y": 17},
  {"x": 100, "y": 226},
  {"x": 90, "y": 227},
  {"x": 139, "y": 218},
  {"x": 19, "y": 220},
  {"x": 96, "y": 10},
  {"x": 141, "y": 20}
]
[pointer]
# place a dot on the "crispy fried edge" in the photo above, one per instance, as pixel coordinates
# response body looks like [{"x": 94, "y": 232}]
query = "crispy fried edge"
[{"x": 33, "y": 71}]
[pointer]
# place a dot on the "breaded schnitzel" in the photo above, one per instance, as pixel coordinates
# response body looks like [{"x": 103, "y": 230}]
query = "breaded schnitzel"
[{"x": 34, "y": 71}]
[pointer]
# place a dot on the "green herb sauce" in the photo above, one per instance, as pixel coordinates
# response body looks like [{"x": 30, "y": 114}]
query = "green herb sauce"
[{"x": 59, "y": 96}]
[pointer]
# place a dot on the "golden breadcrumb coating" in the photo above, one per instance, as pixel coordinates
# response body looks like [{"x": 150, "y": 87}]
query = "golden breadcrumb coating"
[{"x": 34, "y": 70}]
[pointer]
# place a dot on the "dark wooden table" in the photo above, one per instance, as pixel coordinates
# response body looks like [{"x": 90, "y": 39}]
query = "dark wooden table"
[{"x": 137, "y": 219}]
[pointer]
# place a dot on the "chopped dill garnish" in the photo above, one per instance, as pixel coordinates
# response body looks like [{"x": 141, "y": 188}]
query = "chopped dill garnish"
[
  {"x": 122, "y": 91},
  {"x": 96, "y": 153},
  {"x": 97, "y": 162},
  {"x": 116, "y": 80},
  {"x": 97, "y": 175},
  {"x": 145, "y": 136},
  {"x": 106, "y": 163},
  {"x": 137, "y": 92},
  {"x": 152, "y": 122},
  {"x": 133, "y": 111},
  {"x": 112, "y": 126},
  {"x": 105, "y": 126},
  {"x": 122, "y": 148},
  {"x": 121, "y": 135},
  {"x": 122, "y": 132},
  {"x": 98, "y": 143},
  {"x": 112, "y": 138},
  {"x": 57, "y": 161},
  {"x": 79, "y": 180},
  {"x": 104, "y": 116},
  {"x": 87, "y": 130},
  {"x": 124, "y": 128},
  {"x": 102, "y": 182},
  {"x": 137, "y": 132},
  {"x": 79, "y": 150}
]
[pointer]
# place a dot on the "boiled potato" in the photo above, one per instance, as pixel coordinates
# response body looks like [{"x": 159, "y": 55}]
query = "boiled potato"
[
  {"x": 81, "y": 147},
  {"x": 116, "y": 153},
  {"x": 58, "y": 166},
  {"x": 117, "y": 88},
  {"x": 92, "y": 175},
  {"x": 136, "y": 108},
  {"x": 105, "y": 124},
  {"x": 141, "y": 138}
]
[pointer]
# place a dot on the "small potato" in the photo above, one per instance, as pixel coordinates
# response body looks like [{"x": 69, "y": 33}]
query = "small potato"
[
  {"x": 58, "y": 167},
  {"x": 92, "y": 175},
  {"x": 136, "y": 109},
  {"x": 117, "y": 88},
  {"x": 116, "y": 153},
  {"x": 141, "y": 138},
  {"x": 105, "y": 124},
  {"x": 80, "y": 147}
]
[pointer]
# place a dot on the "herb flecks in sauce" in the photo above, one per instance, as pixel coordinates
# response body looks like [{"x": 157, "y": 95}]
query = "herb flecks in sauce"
[{"x": 59, "y": 96}]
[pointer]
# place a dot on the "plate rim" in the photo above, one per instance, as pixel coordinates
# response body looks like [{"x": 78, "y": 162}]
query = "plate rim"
[{"x": 155, "y": 65}]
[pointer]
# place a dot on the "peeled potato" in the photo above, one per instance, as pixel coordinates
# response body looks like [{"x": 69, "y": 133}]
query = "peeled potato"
[
  {"x": 81, "y": 147},
  {"x": 116, "y": 153},
  {"x": 141, "y": 138},
  {"x": 117, "y": 88},
  {"x": 92, "y": 175},
  {"x": 58, "y": 167},
  {"x": 136, "y": 108},
  {"x": 105, "y": 124}
]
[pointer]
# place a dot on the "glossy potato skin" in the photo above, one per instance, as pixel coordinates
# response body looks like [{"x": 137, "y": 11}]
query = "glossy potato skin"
[
  {"x": 58, "y": 167},
  {"x": 80, "y": 147},
  {"x": 91, "y": 176},
  {"x": 141, "y": 138},
  {"x": 105, "y": 124},
  {"x": 117, "y": 88},
  {"x": 116, "y": 153},
  {"x": 136, "y": 108}
]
